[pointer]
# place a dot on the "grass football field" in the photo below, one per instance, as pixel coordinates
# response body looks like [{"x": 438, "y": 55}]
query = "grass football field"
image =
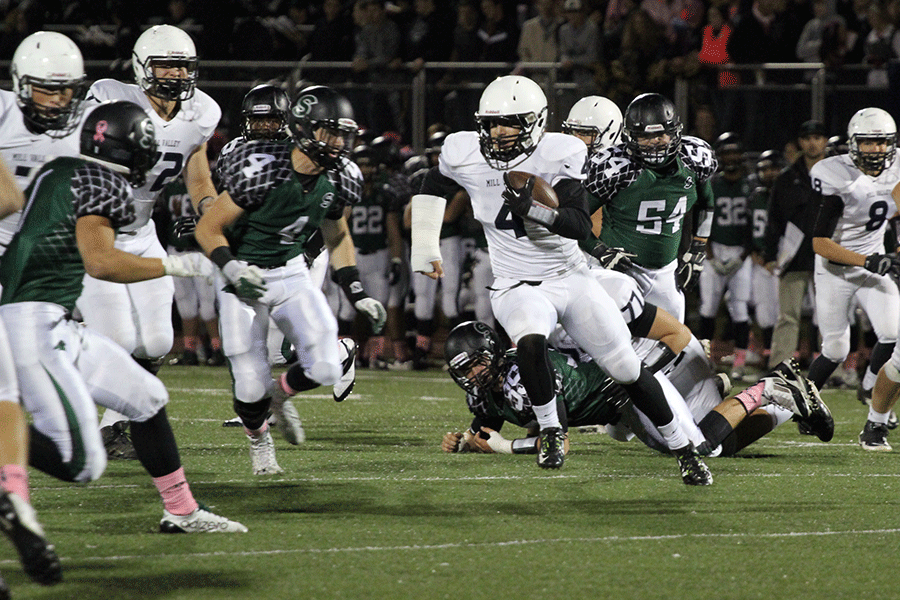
[{"x": 369, "y": 507}]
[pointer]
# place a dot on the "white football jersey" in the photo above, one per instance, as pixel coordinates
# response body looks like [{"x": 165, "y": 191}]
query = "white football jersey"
[
  {"x": 24, "y": 153},
  {"x": 193, "y": 124},
  {"x": 867, "y": 201},
  {"x": 518, "y": 248}
]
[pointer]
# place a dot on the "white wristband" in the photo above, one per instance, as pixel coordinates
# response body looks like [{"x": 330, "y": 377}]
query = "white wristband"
[
  {"x": 499, "y": 444},
  {"x": 427, "y": 218}
]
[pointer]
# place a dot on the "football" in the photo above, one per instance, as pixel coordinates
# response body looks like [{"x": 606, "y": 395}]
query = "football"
[{"x": 543, "y": 192}]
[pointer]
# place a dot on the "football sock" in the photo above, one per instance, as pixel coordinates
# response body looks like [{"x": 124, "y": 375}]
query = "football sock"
[
  {"x": 154, "y": 444},
  {"x": 294, "y": 380},
  {"x": 648, "y": 396},
  {"x": 537, "y": 378},
  {"x": 674, "y": 434},
  {"x": 821, "y": 369},
  {"x": 751, "y": 398},
  {"x": 191, "y": 343},
  {"x": 877, "y": 417},
  {"x": 880, "y": 355},
  {"x": 715, "y": 428},
  {"x": 253, "y": 414},
  {"x": 176, "y": 493},
  {"x": 14, "y": 479}
]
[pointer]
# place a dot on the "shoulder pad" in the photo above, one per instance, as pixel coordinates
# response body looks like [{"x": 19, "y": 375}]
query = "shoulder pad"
[
  {"x": 106, "y": 89},
  {"x": 832, "y": 174},
  {"x": 249, "y": 171},
  {"x": 348, "y": 183},
  {"x": 461, "y": 148},
  {"x": 98, "y": 190},
  {"x": 610, "y": 171},
  {"x": 206, "y": 113},
  {"x": 698, "y": 156}
]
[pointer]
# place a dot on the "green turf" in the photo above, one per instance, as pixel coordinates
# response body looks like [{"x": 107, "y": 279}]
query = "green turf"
[{"x": 369, "y": 507}]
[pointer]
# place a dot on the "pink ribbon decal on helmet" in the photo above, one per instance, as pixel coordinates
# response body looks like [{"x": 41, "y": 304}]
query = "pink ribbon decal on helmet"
[{"x": 99, "y": 131}]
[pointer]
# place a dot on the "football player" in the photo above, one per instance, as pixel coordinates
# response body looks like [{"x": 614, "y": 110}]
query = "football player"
[
  {"x": 541, "y": 277},
  {"x": 596, "y": 121},
  {"x": 67, "y": 229},
  {"x": 276, "y": 194},
  {"x": 851, "y": 258},
  {"x": 138, "y": 315},
  {"x": 17, "y": 517},
  {"x": 495, "y": 395},
  {"x": 727, "y": 250},
  {"x": 849, "y": 242},
  {"x": 655, "y": 193}
]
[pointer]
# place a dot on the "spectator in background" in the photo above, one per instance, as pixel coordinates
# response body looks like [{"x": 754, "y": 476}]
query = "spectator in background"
[
  {"x": 760, "y": 35},
  {"x": 856, "y": 15},
  {"x": 459, "y": 106},
  {"x": 331, "y": 40},
  {"x": 498, "y": 33},
  {"x": 810, "y": 45},
  {"x": 579, "y": 50},
  {"x": 539, "y": 41},
  {"x": 377, "y": 58},
  {"x": 714, "y": 47},
  {"x": 427, "y": 38},
  {"x": 881, "y": 46}
]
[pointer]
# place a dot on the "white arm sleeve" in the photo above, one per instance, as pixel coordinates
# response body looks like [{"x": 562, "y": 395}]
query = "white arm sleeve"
[{"x": 427, "y": 217}]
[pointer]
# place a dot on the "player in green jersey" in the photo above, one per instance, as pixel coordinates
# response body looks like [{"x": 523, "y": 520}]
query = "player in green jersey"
[
  {"x": 277, "y": 194},
  {"x": 654, "y": 191},
  {"x": 68, "y": 228},
  {"x": 587, "y": 396}
]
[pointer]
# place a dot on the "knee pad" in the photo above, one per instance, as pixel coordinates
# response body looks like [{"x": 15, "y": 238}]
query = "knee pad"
[{"x": 836, "y": 350}]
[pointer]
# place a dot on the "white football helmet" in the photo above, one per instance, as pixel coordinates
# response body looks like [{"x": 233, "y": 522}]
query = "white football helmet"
[
  {"x": 165, "y": 45},
  {"x": 596, "y": 117},
  {"x": 872, "y": 124},
  {"x": 513, "y": 101},
  {"x": 52, "y": 62}
]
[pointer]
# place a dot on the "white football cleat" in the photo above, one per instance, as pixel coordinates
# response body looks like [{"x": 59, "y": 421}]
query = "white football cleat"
[
  {"x": 262, "y": 454},
  {"x": 286, "y": 416},
  {"x": 345, "y": 385},
  {"x": 199, "y": 521}
]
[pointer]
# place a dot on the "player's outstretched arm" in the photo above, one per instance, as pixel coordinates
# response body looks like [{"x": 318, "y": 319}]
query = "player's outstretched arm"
[{"x": 11, "y": 197}]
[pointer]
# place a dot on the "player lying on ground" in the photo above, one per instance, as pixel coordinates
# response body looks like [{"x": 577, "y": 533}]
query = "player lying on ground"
[{"x": 586, "y": 396}]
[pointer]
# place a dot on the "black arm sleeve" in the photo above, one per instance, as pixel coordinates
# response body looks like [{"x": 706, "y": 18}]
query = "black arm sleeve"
[
  {"x": 687, "y": 232},
  {"x": 573, "y": 220},
  {"x": 436, "y": 183},
  {"x": 830, "y": 210}
]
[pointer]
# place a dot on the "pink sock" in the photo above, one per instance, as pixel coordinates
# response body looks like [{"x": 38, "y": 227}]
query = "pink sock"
[
  {"x": 176, "y": 493},
  {"x": 751, "y": 398},
  {"x": 14, "y": 479}
]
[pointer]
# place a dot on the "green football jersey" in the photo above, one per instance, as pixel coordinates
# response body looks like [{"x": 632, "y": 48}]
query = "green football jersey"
[
  {"x": 759, "y": 217},
  {"x": 42, "y": 262},
  {"x": 386, "y": 194},
  {"x": 588, "y": 395},
  {"x": 730, "y": 225},
  {"x": 643, "y": 210},
  {"x": 281, "y": 211}
]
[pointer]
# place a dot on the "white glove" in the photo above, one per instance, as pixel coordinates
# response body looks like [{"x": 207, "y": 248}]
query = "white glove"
[
  {"x": 374, "y": 311},
  {"x": 247, "y": 279},
  {"x": 192, "y": 264}
]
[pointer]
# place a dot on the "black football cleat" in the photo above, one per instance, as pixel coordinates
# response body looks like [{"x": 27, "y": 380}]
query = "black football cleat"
[
  {"x": 551, "y": 448},
  {"x": 19, "y": 522},
  {"x": 693, "y": 470}
]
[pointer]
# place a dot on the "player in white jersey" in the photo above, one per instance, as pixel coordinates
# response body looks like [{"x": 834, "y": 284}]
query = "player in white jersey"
[
  {"x": 39, "y": 118},
  {"x": 848, "y": 239},
  {"x": 541, "y": 276},
  {"x": 138, "y": 316}
]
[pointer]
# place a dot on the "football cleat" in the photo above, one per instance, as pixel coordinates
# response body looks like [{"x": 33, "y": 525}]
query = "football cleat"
[
  {"x": 117, "y": 442},
  {"x": 723, "y": 384},
  {"x": 286, "y": 417},
  {"x": 786, "y": 387},
  {"x": 551, "y": 448},
  {"x": 345, "y": 385},
  {"x": 19, "y": 522},
  {"x": 199, "y": 521},
  {"x": 262, "y": 454},
  {"x": 874, "y": 437},
  {"x": 693, "y": 470}
]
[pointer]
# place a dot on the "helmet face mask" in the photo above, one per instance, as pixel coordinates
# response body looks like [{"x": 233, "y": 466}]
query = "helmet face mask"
[
  {"x": 264, "y": 113},
  {"x": 474, "y": 357},
  {"x": 322, "y": 125},
  {"x": 120, "y": 136},
  {"x": 596, "y": 120},
  {"x": 49, "y": 83},
  {"x": 652, "y": 132},
  {"x": 165, "y": 63},
  {"x": 875, "y": 129},
  {"x": 519, "y": 106},
  {"x": 730, "y": 152}
]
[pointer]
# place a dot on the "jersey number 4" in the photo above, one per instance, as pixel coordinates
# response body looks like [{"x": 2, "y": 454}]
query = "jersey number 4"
[
  {"x": 652, "y": 215},
  {"x": 507, "y": 220}
]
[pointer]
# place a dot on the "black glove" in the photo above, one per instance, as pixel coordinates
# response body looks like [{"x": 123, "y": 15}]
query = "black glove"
[
  {"x": 690, "y": 265},
  {"x": 183, "y": 232},
  {"x": 518, "y": 200},
  {"x": 395, "y": 274},
  {"x": 883, "y": 264},
  {"x": 616, "y": 259}
]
